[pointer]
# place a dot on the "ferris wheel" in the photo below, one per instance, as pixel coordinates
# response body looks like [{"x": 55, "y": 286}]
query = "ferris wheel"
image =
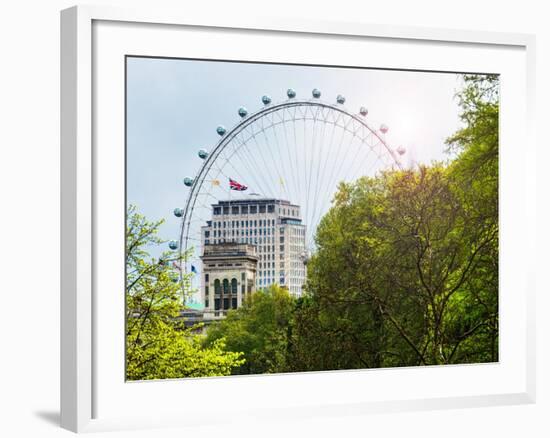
[{"x": 298, "y": 150}]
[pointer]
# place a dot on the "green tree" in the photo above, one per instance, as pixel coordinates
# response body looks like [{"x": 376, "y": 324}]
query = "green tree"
[
  {"x": 475, "y": 175},
  {"x": 406, "y": 270},
  {"x": 260, "y": 329},
  {"x": 401, "y": 275},
  {"x": 158, "y": 345}
]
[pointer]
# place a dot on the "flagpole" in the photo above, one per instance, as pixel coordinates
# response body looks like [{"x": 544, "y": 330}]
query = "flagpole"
[{"x": 229, "y": 194}]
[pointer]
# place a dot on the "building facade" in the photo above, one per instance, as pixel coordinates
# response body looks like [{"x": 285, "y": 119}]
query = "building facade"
[
  {"x": 273, "y": 227},
  {"x": 228, "y": 277}
]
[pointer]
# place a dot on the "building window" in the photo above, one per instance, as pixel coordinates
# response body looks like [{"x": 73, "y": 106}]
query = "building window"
[
  {"x": 206, "y": 278},
  {"x": 235, "y": 209},
  {"x": 226, "y": 303},
  {"x": 262, "y": 208},
  {"x": 243, "y": 275},
  {"x": 234, "y": 303},
  {"x": 217, "y": 210},
  {"x": 244, "y": 209},
  {"x": 225, "y": 286},
  {"x": 282, "y": 239},
  {"x": 206, "y": 290},
  {"x": 270, "y": 208},
  {"x": 217, "y": 287},
  {"x": 281, "y": 248},
  {"x": 253, "y": 209},
  {"x": 242, "y": 289},
  {"x": 206, "y": 302},
  {"x": 217, "y": 304},
  {"x": 234, "y": 286}
]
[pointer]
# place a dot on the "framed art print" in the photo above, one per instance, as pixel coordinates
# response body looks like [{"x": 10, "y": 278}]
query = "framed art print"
[{"x": 318, "y": 217}]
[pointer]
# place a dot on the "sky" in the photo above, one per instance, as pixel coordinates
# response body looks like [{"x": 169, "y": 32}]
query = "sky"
[{"x": 174, "y": 107}]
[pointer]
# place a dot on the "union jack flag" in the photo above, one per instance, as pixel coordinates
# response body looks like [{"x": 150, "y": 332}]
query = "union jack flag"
[{"x": 234, "y": 185}]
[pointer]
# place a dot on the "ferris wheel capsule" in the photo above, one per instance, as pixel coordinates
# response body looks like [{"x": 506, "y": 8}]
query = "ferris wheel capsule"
[
  {"x": 188, "y": 181},
  {"x": 291, "y": 93},
  {"x": 220, "y": 130},
  {"x": 363, "y": 111},
  {"x": 401, "y": 150},
  {"x": 203, "y": 153},
  {"x": 178, "y": 212},
  {"x": 266, "y": 100},
  {"x": 340, "y": 99},
  {"x": 242, "y": 111},
  {"x": 173, "y": 245},
  {"x": 384, "y": 128},
  {"x": 316, "y": 93}
]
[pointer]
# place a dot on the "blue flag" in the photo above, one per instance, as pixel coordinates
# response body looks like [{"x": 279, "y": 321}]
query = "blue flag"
[{"x": 194, "y": 270}]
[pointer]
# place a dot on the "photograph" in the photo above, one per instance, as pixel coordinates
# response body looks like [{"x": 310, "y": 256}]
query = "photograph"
[
  {"x": 308, "y": 219},
  {"x": 289, "y": 218}
]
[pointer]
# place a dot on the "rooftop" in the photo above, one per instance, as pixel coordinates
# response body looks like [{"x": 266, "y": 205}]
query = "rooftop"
[
  {"x": 255, "y": 201},
  {"x": 229, "y": 249}
]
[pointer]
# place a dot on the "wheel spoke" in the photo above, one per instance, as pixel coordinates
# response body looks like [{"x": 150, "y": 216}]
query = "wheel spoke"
[{"x": 297, "y": 150}]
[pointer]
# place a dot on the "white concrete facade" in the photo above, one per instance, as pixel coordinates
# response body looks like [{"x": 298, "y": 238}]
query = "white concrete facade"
[
  {"x": 274, "y": 227},
  {"x": 228, "y": 277}
]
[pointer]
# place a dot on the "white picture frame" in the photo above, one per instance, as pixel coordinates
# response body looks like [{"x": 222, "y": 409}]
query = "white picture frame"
[{"x": 83, "y": 181}]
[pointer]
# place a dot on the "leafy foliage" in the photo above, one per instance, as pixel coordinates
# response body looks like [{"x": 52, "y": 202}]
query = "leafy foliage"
[
  {"x": 406, "y": 271},
  {"x": 259, "y": 329},
  {"x": 158, "y": 345}
]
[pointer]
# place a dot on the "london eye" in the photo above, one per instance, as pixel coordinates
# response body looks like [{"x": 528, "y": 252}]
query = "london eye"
[{"x": 298, "y": 150}]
